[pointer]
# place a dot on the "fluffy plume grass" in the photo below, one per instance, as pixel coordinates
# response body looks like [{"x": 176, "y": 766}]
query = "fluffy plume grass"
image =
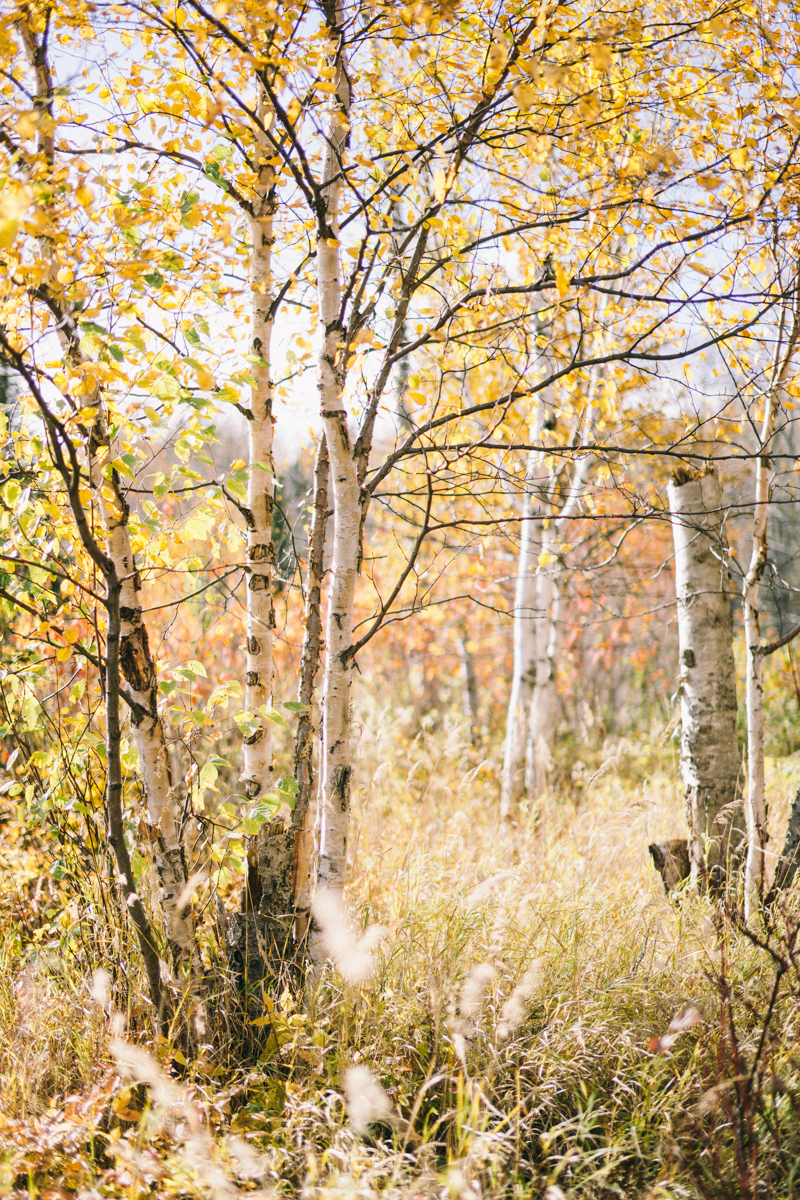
[{"x": 508, "y": 1012}]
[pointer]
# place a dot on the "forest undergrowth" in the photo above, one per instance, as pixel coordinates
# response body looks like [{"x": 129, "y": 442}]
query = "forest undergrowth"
[{"x": 539, "y": 1019}]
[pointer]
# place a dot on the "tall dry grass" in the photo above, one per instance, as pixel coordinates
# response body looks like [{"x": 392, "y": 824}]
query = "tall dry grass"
[{"x": 494, "y": 1041}]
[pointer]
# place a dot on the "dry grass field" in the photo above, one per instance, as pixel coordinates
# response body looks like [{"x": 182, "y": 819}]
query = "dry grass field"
[{"x": 492, "y": 1040}]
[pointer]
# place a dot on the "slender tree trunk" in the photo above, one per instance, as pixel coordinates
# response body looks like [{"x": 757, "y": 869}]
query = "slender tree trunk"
[
  {"x": 334, "y": 817},
  {"x": 525, "y": 622},
  {"x": 303, "y": 815},
  {"x": 258, "y": 767},
  {"x": 116, "y": 828},
  {"x": 469, "y": 686},
  {"x": 789, "y": 860},
  {"x": 135, "y": 661},
  {"x": 756, "y": 806},
  {"x": 543, "y": 720},
  {"x": 137, "y": 667},
  {"x": 260, "y": 936},
  {"x": 707, "y": 681},
  {"x": 66, "y": 460},
  {"x": 544, "y": 700},
  {"x": 524, "y": 668}
]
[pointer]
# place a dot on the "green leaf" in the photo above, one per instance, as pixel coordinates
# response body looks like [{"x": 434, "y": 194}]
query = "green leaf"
[
  {"x": 213, "y": 172},
  {"x": 135, "y": 339},
  {"x": 273, "y": 717},
  {"x": 30, "y": 713},
  {"x": 116, "y": 353},
  {"x": 188, "y": 202},
  {"x": 295, "y": 706},
  {"x": 155, "y": 280}
]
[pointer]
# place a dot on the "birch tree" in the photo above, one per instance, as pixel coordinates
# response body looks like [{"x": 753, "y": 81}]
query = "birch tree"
[
  {"x": 543, "y": 714},
  {"x": 134, "y": 659},
  {"x": 756, "y": 804},
  {"x": 525, "y": 625},
  {"x": 707, "y": 680}
]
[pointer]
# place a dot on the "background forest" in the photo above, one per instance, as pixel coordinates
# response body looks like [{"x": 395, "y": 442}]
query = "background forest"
[{"x": 399, "y": 572}]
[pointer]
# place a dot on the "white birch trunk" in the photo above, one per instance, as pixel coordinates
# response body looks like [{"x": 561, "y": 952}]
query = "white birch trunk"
[
  {"x": 544, "y": 700},
  {"x": 756, "y": 805},
  {"x": 303, "y": 815},
  {"x": 258, "y": 767},
  {"x": 138, "y": 670},
  {"x": 525, "y": 624},
  {"x": 136, "y": 663},
  {"x": 707, "y": 680},
  {"x": 524, "y": 668},
  {"x": 543, "y": 719},
  {"x": 335, "y": 764}
]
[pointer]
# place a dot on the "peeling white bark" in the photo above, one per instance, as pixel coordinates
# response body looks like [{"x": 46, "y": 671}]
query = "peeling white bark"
[
  {"x": 136, "y": 663},
  {"x": 707, "y": 680},
  {"x": 258, "y": 767},
  {"x": 303, "y": 815},
  {"x": 138, "y": 670},
  {"x": 334, "y": 817}
]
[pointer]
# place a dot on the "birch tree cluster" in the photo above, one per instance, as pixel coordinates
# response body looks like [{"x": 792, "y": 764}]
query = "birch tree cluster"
[{"x": 338, "y": 336}]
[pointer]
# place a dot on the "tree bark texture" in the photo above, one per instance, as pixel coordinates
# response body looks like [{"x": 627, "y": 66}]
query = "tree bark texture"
[
  {"x": 334, "y": 817},
  {"x": 134, "y": 660},
  {"x": 707, "y": 680},
  {"x": 543, "y": 719},
  {"x": 756, "y": 805},
  {"x": 114, "y": 811},
  {"x": 303, "y": 815},
  {"x": 469, "y": 688},
  {"x": 789, "y": 860},
  {"x": 525, "y": 622},
  {"x": 258, "y": 768}
]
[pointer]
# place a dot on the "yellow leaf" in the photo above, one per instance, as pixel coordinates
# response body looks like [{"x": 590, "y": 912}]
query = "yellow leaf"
[
  {"x": 562, "y": 281},
  {"x": 63, "y": 654},
  {"x": 600, "y": 55},
  {"x": 524, "y": 94},
  {"x": 28, "y": 123},
  {"x": 554, "y": 74},
  {"x": 497, "y": 57},
  {"x": 205, "y": 379},
  {"x": 14, "y": 203},
  {"x": 739, "y": 158},
  {"x": 545, "y": 557},
  {"x": 119, "y": 1106},
  {"x": 791, "y": 120},
  {"x": 439, "y": 186},
  {"x": 84, "y": 196},
  {"x": 294, "y": 110}
]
